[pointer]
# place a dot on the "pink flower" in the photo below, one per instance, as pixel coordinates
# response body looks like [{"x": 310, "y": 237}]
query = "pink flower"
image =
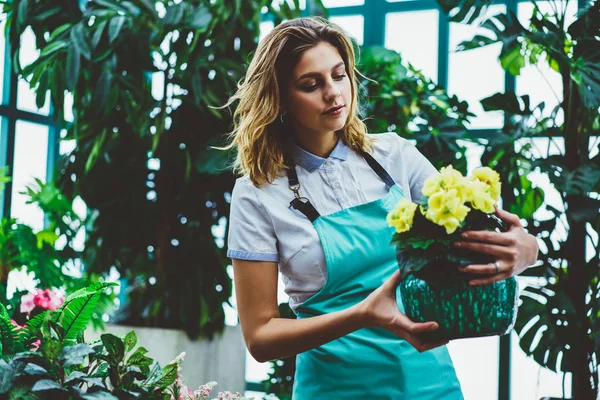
[
  {"x": 15, "y": 323},
  {"x": 48, "y": 299},
  {"x": 27, "y": 303},
  {"x": 35, "y": 345},
  {"x": 57, "y": 300}
]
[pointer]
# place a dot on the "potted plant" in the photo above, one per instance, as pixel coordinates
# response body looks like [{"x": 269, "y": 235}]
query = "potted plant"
[
  {"x": 433, "y": 288},
  {"x": 559, "y": 320}
]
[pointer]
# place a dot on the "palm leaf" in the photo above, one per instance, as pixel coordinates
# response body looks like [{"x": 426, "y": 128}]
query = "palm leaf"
[{"x": 76, "y": 312}]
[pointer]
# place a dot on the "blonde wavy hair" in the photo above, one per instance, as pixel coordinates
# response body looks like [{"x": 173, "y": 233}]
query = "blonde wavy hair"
[{"x": 258, "y": 133}]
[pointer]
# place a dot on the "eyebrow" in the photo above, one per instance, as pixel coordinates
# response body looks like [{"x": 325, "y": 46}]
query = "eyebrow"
[{"x": 310, "y": 74}]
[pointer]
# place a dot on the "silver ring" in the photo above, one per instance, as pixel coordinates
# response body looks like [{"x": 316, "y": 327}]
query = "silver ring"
[{"x": 495, "y": 263}]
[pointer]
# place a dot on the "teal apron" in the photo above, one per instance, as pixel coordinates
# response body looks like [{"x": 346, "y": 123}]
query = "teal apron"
[{"x": 370, "y": 363}]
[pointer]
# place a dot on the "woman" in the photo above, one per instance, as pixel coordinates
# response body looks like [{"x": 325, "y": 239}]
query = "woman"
[{"x": 311, "y": 204}]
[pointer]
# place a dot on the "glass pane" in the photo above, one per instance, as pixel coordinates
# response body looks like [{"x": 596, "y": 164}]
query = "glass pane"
[
  {"x": 80, "y": 209},
  {"x": 342, "y": 3},
  {"x": 265, "y": 27},
  {"x": 68, "y": 109},
  {"x": 414, "y": 35},
  {"x": 541, "y": 82},
  {"x": 353, "y": 24},
  {"x": 479, "y": 383},
  {"x": 529, "y": 380},
  {"x": 25, "y": 95},
  {"x": 476, "y": 74},
  {"x": 31, "y": 152},
  {"x": 2, "y": 48}
]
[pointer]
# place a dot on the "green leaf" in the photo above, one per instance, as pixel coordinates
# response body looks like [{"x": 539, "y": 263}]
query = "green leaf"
[
  {"x": 513, "y": 61},
  {"x": 46, "y": 384},
  {"x": 507, "y": 102},
  {"x": 75, "y": 355},
  {"x": 114, "y": 27},
  {"x": 79, "y": 39},
  {"x": 200, "y": 18},
  {"x": 53, "y": 47},
  {"x": 9, "y": 336},
  {"x": 130, "y": 341},
  {"x": 197, "y": 87},
  {"x": 22, "y": 14},
  {"x": 139, "y": 359},
  {"x": 169, "y": 374},
  {"x": 477, "y": 42},
  {"x": 131, "y": 8},
  {"x": 102, "y": 90},
  {"x": 43, "y": 16},
  {"x": 47, "y": 236},
  {"x": 153, "y": 376},
  {"x": 73, "y": 66},
  {"x": 464, "y": 10},
  {"x": 99, "y": 396},
  {"x": 114, "y": 346},
  {"x": 174, "y": 14},
  {"x": 76, "y": 312},
  {"x": 34, "y": 369},
  {"x": 97, "y": 36},
  {"x": 112, "y": 5},
  {"x": 95, "y": 153},
  {"x": 7, "y": 376}
]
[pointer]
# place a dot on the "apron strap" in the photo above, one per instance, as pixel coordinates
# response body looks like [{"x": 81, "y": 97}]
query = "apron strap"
[
  {"x": 300, "y": 203},
  {"x": 304, "y": 205},
  {"x": 379, "y": 170}
]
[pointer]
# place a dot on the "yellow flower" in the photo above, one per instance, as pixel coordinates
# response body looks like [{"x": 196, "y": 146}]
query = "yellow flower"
[
  {"x": 480, "y": 197},
  {"x": 490, "y": 178},
  {"x": 447, "y": 179},
  {"x": 401, "y": 217},
  {"x": 446, "y": 208}
]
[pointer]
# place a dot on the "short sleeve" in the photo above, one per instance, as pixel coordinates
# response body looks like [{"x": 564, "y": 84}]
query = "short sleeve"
[
  {"x": 251, "y": 235},
  {"x": 418, "y": 167}
]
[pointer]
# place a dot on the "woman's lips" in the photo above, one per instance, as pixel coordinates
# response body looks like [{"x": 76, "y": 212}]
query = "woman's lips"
[{"x": 337, "y": 111}]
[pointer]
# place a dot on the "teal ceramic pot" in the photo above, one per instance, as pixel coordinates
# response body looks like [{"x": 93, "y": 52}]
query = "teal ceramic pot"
[{"x": 461, "y": 310}]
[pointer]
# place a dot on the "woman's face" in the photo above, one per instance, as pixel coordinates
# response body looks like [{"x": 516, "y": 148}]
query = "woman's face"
[{"x": 319, "y": 82}]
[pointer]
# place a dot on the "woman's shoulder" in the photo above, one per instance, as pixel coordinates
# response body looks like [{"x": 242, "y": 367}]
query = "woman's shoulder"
[
  {"x": 387, "y": 143},
  {"x": 244, "y": 187}
]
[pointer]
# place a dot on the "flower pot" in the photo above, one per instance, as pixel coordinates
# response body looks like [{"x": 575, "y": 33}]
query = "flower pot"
[{"x": 461, "y": 310}]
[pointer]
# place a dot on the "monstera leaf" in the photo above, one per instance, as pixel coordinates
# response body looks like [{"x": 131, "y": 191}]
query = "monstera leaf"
[{"x": 558, "y": 326}]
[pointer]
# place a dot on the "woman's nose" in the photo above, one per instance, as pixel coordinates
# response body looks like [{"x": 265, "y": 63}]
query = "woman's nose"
[{"x": 332, "y": 92}]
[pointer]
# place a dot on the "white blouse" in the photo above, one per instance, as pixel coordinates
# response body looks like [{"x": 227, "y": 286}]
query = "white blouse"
[{"x": 263, "y": 227}]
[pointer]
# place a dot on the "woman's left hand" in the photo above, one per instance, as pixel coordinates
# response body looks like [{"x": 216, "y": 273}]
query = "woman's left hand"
[{"x": 514, "y": 250}]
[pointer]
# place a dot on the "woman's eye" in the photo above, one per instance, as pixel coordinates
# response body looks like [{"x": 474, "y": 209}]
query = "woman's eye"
[
  {"x": 309, "y": 88},
  {"x": 340, "y": 77}
]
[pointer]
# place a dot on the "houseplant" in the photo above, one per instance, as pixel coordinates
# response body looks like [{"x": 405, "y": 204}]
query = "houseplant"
[
  {"x": 433, "y": 288},
  {"x": 48, "y": 358},
  {"x": 143, "y": 75},
  {"x": 558, "y": 321}
]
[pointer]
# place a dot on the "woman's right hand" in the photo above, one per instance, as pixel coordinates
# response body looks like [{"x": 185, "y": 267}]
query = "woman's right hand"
[{"x": 381, "y": 310}]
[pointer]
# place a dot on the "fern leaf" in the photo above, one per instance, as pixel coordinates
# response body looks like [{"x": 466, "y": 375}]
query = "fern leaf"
[{"x": 76, "y": 312}]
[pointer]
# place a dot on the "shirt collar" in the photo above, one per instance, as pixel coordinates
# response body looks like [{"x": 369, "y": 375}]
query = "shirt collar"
[{"x": 311, "y": 162}]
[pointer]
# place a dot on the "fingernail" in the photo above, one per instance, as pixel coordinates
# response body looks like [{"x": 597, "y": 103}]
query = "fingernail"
[
  {"x": 457, "y": 244},
  {"x": 465, "y": 235}
]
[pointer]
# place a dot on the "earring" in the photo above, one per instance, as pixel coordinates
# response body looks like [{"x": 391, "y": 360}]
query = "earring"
[{"x": 281, "y": 117}]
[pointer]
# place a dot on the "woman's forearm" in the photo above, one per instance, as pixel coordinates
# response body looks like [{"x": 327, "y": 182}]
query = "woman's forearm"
[{"x": 283, "y": 337}]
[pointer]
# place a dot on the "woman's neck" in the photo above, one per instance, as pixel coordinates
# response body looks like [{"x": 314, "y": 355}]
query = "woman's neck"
[{"x": 321, "y": 144}]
